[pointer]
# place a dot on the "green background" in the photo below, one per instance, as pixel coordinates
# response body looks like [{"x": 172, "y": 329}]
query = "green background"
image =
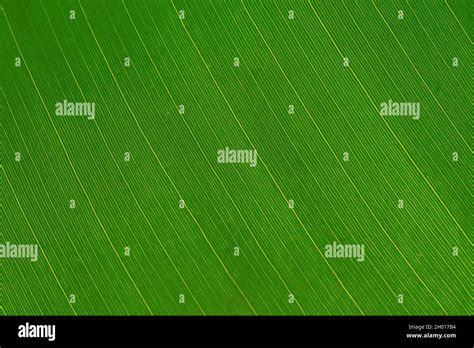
[{"x": 190, "y": 251}]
